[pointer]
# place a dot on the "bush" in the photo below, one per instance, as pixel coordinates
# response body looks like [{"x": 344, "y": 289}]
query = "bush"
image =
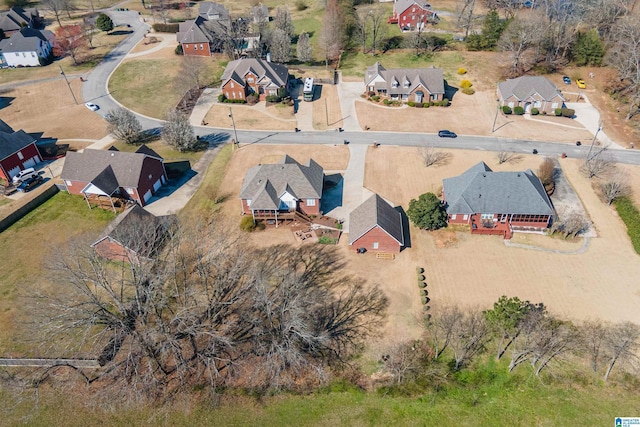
[
  {"x": 431, "y": 103},
  {"x": 631, "y": 217},
  {"x": 272, "y": 98},
  {"x": 419, "y": 270},
  {"x": 234, "y": 101},
  {"x": 247, "y": 224},
  {"x": 386, "y": 102},
  {"x": 418, "y": 105},
  {"x": 567, "y": 112},
  {"x": 178, "y": 50},
  {"x": 411, "y": 104},
  {"x": 421, "y": 278},
  {"x": 557, "y": 112},
  {"x": 445, "y": 102},
  {"x": 222, "y": 97},
  {"x": 468, "y": 90},
  {"x": 375, "y": 98},
  {"x": 465, "y": 83},
  {"x": 506, "y": 109},
  {"x": 535, "y": 111},
  {"x": 425, "y": 104},
  {"x": 422, "y": 285},
  {"x": 544, "y": 113},
  {"x": 462, "y": 71},
  {"x": 518, "y": 110},
  {"x": 165, "y": 28}
]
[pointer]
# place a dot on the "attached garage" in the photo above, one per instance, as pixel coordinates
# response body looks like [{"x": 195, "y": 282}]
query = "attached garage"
[
  {"x": 31, "y": 162},
  {"x": 147, "y": 196},
  {"x": 157, "y": 185}
]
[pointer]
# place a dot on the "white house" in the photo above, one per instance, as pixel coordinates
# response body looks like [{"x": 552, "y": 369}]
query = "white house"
[{"x": 26, "y": 48}]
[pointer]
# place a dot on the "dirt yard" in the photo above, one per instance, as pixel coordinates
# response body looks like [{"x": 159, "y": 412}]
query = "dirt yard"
[
  {"x": 258, "y": 116},
  {"x": 49, "y": 108},
  {"x": 327, "y": 113}
]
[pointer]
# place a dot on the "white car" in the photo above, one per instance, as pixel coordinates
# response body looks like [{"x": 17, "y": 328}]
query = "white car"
[
  {"x": 23, "y": 175},
  {"x": 91, "y": 106}
]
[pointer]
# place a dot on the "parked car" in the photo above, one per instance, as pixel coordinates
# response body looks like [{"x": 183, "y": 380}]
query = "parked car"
[
  {"x": 581, "y": 84},
  {"x": 23, "y": 175},
  {"x": 566, "y": 80},
  {"x": 447, "y": 134},
  {"x": 30, "y": 183},
  {"x": 91, "y": 106}
]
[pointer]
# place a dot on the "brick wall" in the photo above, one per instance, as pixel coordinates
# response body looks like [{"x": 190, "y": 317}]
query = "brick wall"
[{"x": 386, "y": 243}]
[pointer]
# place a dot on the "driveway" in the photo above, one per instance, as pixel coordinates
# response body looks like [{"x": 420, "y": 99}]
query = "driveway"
[
  {"x": 348, "y": 92},
  {"x": 589, "y": 117},
  {"x": 566, "y": 200}
]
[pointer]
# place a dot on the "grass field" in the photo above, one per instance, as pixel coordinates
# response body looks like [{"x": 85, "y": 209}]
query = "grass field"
[{"x": 165, "y": 151}]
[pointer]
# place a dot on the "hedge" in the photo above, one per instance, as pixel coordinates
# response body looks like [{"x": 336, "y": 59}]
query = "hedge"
[
  {"x": 558, "y": 111},
  {"x": 506, "y": 109},
  {"x": 411, "y": 104},
  {"x": 222, "y": 97},
  {"x": 518, "y": 110},
  {"x": 631, "y": 217},
  {"x": 468, "y": 90},
  {"x": 535, "y": 111},
  {"x": 567, "y": 112},
  {"x": 234, "y": 101},
  {"x": 166, "y": 28}
]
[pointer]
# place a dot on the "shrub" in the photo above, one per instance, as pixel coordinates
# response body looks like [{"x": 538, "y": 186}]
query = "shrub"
[
  {"x": 247, "y": 224},
  {"x": 252, "y": 99},
  {"x": 418, "y": 105},
  {"x": 544, "y": 113},
  {"x": 178, "y": 50},
  {"x": 506, "y": 109},
  {"x": 260, "y": 225},
  {"x": 445, "y": 102},
  {"x": 631, "y": 217},
  {"x": 411, "y": 104},
  {"x": 234, "y": 101},
  {"x": 419, "y": 270},
  {"x": 222, "y": 97},
  {"x": 557, "y": 112},
  {"x": 386, "y": 102},
  {"x": 375, "y": 98},
  {"x": 425, "y": 105},
  {"x": 567, "y": 112},
  {"x": 422, "y": 285},
  {"x": 326, "y": 240},
  {"x": 272, "y": 98},
  {"x": 431, "y": 103},
  {"x": 165, "y": 28},
  {"x": 518, "y": 110},
  {"x": 535, "y": 111},
  {"x": 462, "y": 71},
  {"x": 465, "y": 83},
  {"x": 421, "y": 278},
  {"x": 468, "y": 90}
]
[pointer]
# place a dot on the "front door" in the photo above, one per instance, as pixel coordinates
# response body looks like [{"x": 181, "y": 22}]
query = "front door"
[{"x": 419, "y": 96}]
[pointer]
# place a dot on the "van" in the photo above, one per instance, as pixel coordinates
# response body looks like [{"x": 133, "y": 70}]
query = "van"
[{"x": 24, "y": 175}]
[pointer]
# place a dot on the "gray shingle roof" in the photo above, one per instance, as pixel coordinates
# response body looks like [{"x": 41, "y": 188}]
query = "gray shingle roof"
[
  {"x": 12, "y": 142},
  {"x": 431, "y": 78},
  {"x": 480, "y": 190},
  {"x": 106, "y": 181},
  {"x": 15, "y": 18},
  {"x": 208, "y": 8},
  {"x": 265, "y": 184},
  {"x": 526, "y": 86},
  {"x": 375, "y": 211},
  {"x": 276, "y": 73},
  {"x": 193, "y": 31},
  {"x": 87, "y": 165},
  {"x": 25, "y": 40},
  {"x": 401, "y": 5}
]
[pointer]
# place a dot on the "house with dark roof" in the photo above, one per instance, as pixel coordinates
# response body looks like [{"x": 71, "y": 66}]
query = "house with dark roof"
[
  {"x": 405, "y": 84},
  {"x": 530, "y": 92},
  {"x": 27, "y": 48},
  {"x": 18, "y": 151},
  {"x": 412, "y": 14},
  {"x": 16, "y": 18},
  {"x": 204, "y": 36},
  {"x": 133, "y": 235},
  {"x": 114, "y": 174},
  {"x": 284, "y": 190},
  {"x": 212, "y": 11},
  {"x": 497, "y": 202},
  {"x": 376, "y": 226},
  {"x": 253, "y": 76}
]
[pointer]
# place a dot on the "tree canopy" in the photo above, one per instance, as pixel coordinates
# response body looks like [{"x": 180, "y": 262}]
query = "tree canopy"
[
  {"x": 427, "y": 212},
  {"x": 104, "y": 23}
]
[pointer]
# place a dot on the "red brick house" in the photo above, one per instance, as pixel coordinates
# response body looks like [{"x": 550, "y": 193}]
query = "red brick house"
[
  {"x": 412, "y": 14},
  {"x": 530, "y": 92},
  {"x": 405, "y": 84},
  {"x": 18, "y": 151},
  {"x": 497, "y": 202},
  {"x": 195, "y": 38},
  {"x": 244, "y": 77},
  {"x": 285, "y": 190},
  {"x": 133, "y": 235},
  {"x": 376, "y": 226},
  {"x": 114, "y": 174}
]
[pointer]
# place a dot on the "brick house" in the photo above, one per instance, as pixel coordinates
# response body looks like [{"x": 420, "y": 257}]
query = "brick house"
[
  {"x": 412, "y": 14},
  {"x": 244, "y": 77},
  {"x": 376, "y": 226},
  {"x": 195, "y": 37},
  {"x": 284, "y": 190},
  {"x": 18, "y": 151},
  {"x": 497, "y": 202},
  {"x": 133, "y": 235},
  {"x": 405, "y": 84},
  {"x": 16, "y": 18},
  {"x": 114, "y": 174},
  {"x": 530, "y": 92},
  {"x": 27, "y": 48}
]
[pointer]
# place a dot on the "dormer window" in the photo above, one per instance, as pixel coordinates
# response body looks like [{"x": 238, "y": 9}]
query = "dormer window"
[
  {"x": 406, "y": 83},
  {"x": 395, "y": 83},
  {"x": 250, "y": 79}
]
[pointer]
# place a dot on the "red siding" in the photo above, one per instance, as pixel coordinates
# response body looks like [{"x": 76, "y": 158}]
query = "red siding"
[
  {"x": 189, "y": 49},
  {"x": 112, "y": 250},
  {"x": 386, "y": 243},
  {"x": 309, "y": 210},
  {"x": 412, "y": 18},
  {"x": 8, "y": 163},
  {"x": 237, "y": 89}
]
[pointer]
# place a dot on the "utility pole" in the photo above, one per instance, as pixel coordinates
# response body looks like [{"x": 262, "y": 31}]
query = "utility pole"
[
  {"x": 595, "y": 135},
  {"x": 326, "y": 111},
  {"x": 495, "y": 119},
  {"x": 234, "y": 127},
  {"x": 68, "y": 84}
]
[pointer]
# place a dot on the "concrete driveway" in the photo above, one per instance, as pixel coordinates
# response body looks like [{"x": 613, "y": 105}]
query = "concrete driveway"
[
  {"x": 348, "y": 92},
  {"x": 565, "y": 199},
  {"x": 589, "y": 117}
]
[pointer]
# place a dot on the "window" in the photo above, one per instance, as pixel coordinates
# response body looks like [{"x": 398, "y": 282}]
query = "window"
[
  {"x": 311, "y": 202},
  {"x": 465, "y": 217},
  {"x": 375, "y": 245},
  {"x": 486, "y": 216},
  {"x": 195, "y": 47},
  {"x": 233, "y": 95},
  {"x": 406, "y": 83},
  {"x": 554, "y": 105},
  {"x": 248, "y": 202},
  {"x": 395, "y": 83},
  {"x": 20, "y": 156},
  {"x": 404, "y": 18},
  {"x": 250, "y": 79},
  {"x": 231, "y": 85},
  {"x": 413, "y": 9},
  {"x": 201, "y": 47},
  {"x": 150, "y": 176},
  {"x": 453, "y": 216}
]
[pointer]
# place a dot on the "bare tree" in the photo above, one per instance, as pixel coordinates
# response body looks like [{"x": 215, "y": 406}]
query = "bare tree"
[
  {"x": 505, "y": 156},
  {"x": 624, "y": 56},
  {"x": 614, "y": 185},
  {"x": 519, "y": 36},
  {"x": 441, "y": 326},
  {"x": 124, "y": 125},
  {"x": 509, "y": 7},
  {"x": 178, "y": 132},
  {"x": 465, "y": 15},
  {"x": 190, "y": 74},
  {"x": 569, "y": 223},
  {"x": 282, "y": 20},
  {"x": 89, "y": 28},
  {"x": 280, "y": 46},
  {"x": 362, "y": 26},
  {"x": 593, "y": 335},
  {"x": 332, "y": 35},
  {"x": 377, "y": 17},
  {"x": 404, "y": 360},
  {"x": 621, "y": 344},
  {"x": 432, "y": 156},
  {"x": 56, "y": 7},
  {"x": 469, "y": 337},
  {"x": 597, "y": 161},
  {"x": 304, "y": 51},
  {"x": 161, "y": 9}
]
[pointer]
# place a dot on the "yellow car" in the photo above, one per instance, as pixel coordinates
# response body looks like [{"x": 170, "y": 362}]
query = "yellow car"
[{"x": 581, "y": 84}]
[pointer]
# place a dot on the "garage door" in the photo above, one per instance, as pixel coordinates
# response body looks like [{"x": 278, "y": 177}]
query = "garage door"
[
  {"x": 157, "y": 185},
  {"x": 29, "y": 163},
  {"x": 147, "y": 196},
  {"x": 15, "y": 171}
]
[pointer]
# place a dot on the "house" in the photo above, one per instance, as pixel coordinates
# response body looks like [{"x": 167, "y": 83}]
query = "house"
[
  {"x": 202, "y": 36},
  {"x": 405, "y": 84},
  {"x": 18, "y": 151},
  {"x": 376, "y": 226},
  {"x": 284, "y": 190},
  {"x": 212, "y": 11},
  {"x": 252, "y": 76},
  {"x": 497, "y": 202},
  {"x": 530, "y": 92},
  {"x": 412, "y": 14},
  {"x": 196, "y": 37},
  {"x": 16, "y": 18},
  {"x": 114, "y": 174},
  {"x": 27, "y": 48},
  {"x": 133, "y": 235}
]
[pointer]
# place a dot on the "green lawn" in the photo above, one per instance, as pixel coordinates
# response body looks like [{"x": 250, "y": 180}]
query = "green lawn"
[
  {"x": 31, "y": 245},
  {"x": 164, "y": 150}
]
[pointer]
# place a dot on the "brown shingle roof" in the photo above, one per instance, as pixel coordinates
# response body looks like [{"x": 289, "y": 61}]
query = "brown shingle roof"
[
  {"x": 277, "y": 74},
  {"x": 526, "y": 86},
  {"x": 375, "y": 211},
  {"x": 431, "y": 78}
]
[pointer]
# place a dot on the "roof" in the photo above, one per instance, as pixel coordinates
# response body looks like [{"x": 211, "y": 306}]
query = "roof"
[
  {"x": 86, "y": 166},
  {"x": 12, "y": 141},
  {"x": 143, "y": 149},
  {"x": 401, "y": 5},
  {"x": 16, "y": 17},
  {"x": 25, "y": 40},
  {"x": 480, "y": 190},
  {"x": 106, "y": 181},
  {"x": 192, "y": 31},
  {"x": 432, "y": 79},
  {"x": 208, "y": 8},
  {"x": 375, "y": 212},
  {"x": 266, "y": 71},
  {"x": 265, "y": 184},
  {"x": 526, "y": 86}
]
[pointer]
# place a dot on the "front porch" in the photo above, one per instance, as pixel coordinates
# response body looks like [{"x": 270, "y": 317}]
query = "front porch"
[
  {"x": 488, "y": 226},
  {"x": 275, "y": 217}
]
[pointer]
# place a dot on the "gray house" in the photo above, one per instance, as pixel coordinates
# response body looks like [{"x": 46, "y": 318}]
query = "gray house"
[
  {"x": 530, "y": 92},
  {"x": 497, "y": 202},
  {"x": 212, "y": 11},
  {"x": 405, "y": 84}
]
